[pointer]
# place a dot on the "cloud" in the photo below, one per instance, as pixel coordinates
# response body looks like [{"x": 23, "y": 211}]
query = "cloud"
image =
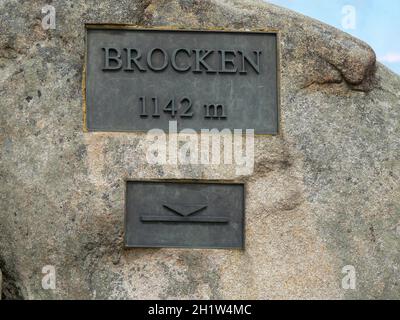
[{"x": 390, "y": 57}]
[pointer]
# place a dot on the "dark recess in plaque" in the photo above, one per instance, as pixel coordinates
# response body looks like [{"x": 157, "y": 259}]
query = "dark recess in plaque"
[
  {"x": 140, "y": 79},
  {"x": 184, "y": 214}
]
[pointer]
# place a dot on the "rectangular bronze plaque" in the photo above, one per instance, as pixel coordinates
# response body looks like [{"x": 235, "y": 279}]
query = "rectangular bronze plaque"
[
  {"x": 184, "y": 214},
  {"x": 140, "y": 79}
]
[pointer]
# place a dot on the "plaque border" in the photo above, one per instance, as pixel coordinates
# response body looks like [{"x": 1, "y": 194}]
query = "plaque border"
[
  {"x": 179, "y": 28},
  {"x": 185, "y": 181}
]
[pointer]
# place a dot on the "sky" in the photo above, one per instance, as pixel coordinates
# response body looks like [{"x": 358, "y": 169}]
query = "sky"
[{"x": 377, "y": 22}]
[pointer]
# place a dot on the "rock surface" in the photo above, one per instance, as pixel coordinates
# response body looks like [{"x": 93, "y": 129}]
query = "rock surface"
[{"x": 325, "y": 192}]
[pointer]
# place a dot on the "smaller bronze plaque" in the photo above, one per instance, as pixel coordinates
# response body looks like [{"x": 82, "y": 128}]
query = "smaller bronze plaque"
[{"x": 184, "y": 214}]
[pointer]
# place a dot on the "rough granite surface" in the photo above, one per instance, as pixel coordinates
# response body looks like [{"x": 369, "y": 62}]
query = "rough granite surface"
[{"x": 324, "y": 194}]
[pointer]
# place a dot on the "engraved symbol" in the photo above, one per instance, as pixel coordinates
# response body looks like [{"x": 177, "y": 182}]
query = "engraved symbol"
[
  {"x": 185, "y": 210},
  {"x": 184, "y": 213}
]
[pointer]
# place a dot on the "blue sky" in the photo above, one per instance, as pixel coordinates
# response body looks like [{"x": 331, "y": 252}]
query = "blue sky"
[{"x": 377, "y": 22}]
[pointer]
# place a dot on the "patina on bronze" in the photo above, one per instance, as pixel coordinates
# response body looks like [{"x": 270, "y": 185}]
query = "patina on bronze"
[
  {"x": 184, "y": 214},
  {"x": 140, "y": 79}
]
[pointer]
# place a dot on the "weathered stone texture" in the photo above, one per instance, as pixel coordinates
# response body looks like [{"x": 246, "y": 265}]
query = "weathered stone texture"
[{"x": 325, "y": 192}]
